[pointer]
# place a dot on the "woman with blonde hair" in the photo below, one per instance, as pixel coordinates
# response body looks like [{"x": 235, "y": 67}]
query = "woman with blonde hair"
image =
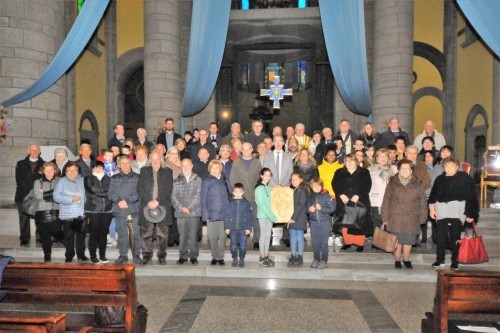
[
  {"x": 369, "y": 135},
  {"x": 306, "y": 165}
]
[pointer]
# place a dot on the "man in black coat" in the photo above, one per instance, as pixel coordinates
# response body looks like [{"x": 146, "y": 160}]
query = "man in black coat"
[
  {"x": 325, "y": 145},
  {"x": 26, "y": 174},
  {"x": 86, "y": 160},
  {"x": 392, "y": 132},
  {"x": 169, "y": 137},
  {"x": 203, "y": 143},
  {"x": 118, "y": 138},
  {"x": 154, "y": 189}
]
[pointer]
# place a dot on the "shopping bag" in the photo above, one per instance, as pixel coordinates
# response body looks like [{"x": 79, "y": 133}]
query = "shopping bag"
[{"x": 472, "y": 250}]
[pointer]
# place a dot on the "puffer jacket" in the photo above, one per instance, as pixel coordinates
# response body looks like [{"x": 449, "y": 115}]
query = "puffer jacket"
[
  {"x": 124, "y": 187},
  {"x": 64, "y": 191},
  {"x": 187, "y": 194},
  {"x": 238, "y": 215},
  {"x": 96, "y": 192},
  {"x": 214, "y": 198},
  {"x": 327, "y": 206}
]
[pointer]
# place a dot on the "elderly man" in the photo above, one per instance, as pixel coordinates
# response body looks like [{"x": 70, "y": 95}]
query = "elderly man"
[
  {"x": 155, "y": 189},
  {"x": 123, "y": 192},
  {"x": 277, "y": 131},
  {"x": 247, "y": 172},
  {"x": 168, "y": 138},
  {"x": 26, "y": 174},
  {"x": 235, "y": 134},
  {"x": 430, "y": 130},
  {"x": 86, "y": 160},
  {"x": 256, "y": 136},
  {"x": 227, "y": 165},
  {"x": 348, "y": 136},
  {"x": 200, "y": 167},
  {"x": 118, "y": 138},
  {"x": 392, "y": 132},
  {"x": 303, "y": 139},
  {"x": 289, "y": 132},
  {"x": 186, "y": 200},
  {"x": 325, "y": 145},
  {"x": 60, "y": 159},
  {"x": 142, "y": 140},
  {"x": 203, "y": 143}
]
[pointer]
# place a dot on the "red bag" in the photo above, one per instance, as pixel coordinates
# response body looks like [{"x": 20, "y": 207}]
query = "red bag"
[{"x": 472, "y": 250}]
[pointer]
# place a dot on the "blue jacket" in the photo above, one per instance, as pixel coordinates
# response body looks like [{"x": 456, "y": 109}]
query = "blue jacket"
[
  {"x": 64, "y": 191},
  {"x": 327, "y": 206},
  {"x": 239, "y": 215},
  {"x": 124, "y": 187},
  {"x": 214, "y": 198}
]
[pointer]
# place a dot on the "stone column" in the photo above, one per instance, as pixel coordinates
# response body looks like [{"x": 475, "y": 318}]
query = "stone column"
[
  {"x": 31, "y": 34},
  {"x": 162, "y": 81},
  {"x": 392, "y": 76},
  {"x": 495, "y": 139}
]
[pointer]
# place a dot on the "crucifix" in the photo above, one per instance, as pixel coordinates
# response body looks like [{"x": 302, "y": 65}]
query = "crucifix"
[{"x": 276, "y": 92}]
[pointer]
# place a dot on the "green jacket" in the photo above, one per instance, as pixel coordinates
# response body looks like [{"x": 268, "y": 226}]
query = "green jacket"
[{"x": 263, "y": 201}]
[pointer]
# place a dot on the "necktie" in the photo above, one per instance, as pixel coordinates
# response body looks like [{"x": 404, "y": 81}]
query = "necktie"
[{"x": 278, "y": 165}]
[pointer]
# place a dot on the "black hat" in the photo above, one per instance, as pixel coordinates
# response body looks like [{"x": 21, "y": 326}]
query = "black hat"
[{"x": 155, "y": 215}]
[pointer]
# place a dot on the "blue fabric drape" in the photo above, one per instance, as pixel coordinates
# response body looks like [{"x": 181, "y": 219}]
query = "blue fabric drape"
[
  {"x": 78, "y": 37},
  {"x": 344, "y": 30},
  {"x": 209, "y": 25},
  {"x": 484, "y": 15}
]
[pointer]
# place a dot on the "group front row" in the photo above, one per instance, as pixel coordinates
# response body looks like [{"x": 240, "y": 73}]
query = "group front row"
[{"x": 145, "y": 204}]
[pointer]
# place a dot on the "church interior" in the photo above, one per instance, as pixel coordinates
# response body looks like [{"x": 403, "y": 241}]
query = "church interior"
[{"x": 424, "y": 61}]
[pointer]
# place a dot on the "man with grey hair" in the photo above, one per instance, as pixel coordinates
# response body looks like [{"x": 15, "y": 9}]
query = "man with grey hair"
[
  {"x": 392, "y": 132},
  {"x": 60, "y": 159},
  {"x": 142, "y": 140},
  {"x": 430, "y": 130},
  {"x": 86, "y": 160},
  {"x": 325, "y": 145},
  {"x": 256, "y": 136},
  {"x": 235, "y": 134},
  {"x": 302, "y": 138},
  {"x": 203, "y": 143}
]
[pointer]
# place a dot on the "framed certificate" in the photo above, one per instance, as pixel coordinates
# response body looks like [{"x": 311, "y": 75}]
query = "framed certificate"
[{"x": 282, "y": 203}]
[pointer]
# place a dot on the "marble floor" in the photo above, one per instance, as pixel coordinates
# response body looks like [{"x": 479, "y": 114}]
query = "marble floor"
[{"x": 358, "y": 292}]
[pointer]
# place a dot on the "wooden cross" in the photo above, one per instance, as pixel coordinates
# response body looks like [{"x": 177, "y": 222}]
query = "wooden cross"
[{"x": 276, "y": 92}]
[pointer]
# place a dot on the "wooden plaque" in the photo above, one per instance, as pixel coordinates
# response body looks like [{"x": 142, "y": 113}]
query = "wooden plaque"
[{"x": 282, "y": 203}]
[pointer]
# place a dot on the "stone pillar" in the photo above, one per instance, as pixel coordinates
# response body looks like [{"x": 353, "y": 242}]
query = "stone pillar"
[
  {"x": 392, "y": 76},
  {"x": 495, "y": 139},
  {"x": 31, "y": 34},
  {"x": 162, "y": 81}
]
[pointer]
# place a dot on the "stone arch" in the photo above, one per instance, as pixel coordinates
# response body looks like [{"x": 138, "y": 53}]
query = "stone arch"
[
  {"x": 475, "y": 139},
  {"x": 433, "y": 55},
  {"x": 427, "y": 91},
  {"x": 89, "y": 136}
]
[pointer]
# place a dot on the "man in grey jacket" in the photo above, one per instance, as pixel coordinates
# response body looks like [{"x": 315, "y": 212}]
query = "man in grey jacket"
[
  {"x": 123, "y": 193},
  {"x": 186, "y": 200}
]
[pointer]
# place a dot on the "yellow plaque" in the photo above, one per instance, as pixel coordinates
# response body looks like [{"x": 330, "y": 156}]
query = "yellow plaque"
[{"x": 282, "y": 203}]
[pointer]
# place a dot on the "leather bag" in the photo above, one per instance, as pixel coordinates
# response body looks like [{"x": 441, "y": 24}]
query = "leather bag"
[
  {"x": 30, "y": 204},
  {"x": 352, "y": 217},
  {"x": 472, "y": 250},
  {"x": 384, "y": 240},
  {"x": 81, "y": 224}
]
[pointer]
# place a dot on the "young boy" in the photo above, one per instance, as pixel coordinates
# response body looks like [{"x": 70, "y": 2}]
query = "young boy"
[
  {"x": 319, "y": 206},
  {"x": 238, "y": 223},
  {"x": 110, "y": 167}
]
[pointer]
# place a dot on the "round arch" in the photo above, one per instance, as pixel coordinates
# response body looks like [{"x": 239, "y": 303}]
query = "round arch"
[
  {"x": 476, "y": 138},
  {"x": 89, "y": 136}
]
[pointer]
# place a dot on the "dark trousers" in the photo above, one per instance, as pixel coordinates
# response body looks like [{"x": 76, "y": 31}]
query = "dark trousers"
[
  {"x": 173, "y": 231},
  {"x": 49, "y": 226},
  {"x": 238, "y": 242},
  {"x": 376, "y": 218},
  {"x": 24, "y": 225},
  {"x": 448, "y": 232},
  {"x": 73, "y": 240},
  {"x": 147, "y": 235},
  {"x": 320, "y": 231},
  {"x": 99, "y": 226}
]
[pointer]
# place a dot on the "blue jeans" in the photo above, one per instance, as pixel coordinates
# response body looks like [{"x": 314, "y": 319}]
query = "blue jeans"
[
  {"x": 238, "y": 237},
  {"x": 123, "y": 237},
  {"x": 320, "y": 231},
  {"x": 112, "y": 229},
  {"x": 296, "y": 242}
]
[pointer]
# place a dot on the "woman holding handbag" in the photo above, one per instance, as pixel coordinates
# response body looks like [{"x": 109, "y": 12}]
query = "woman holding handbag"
[
  {"x": 452, "y": 201},
  {"x": 403, "y": 209},
  {"x": 352, "y": 185}
]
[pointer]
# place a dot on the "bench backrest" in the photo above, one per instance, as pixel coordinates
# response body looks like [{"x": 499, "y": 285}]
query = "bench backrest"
[
  {"x": 465, "y": 291},
  {"x": 73, "y": 284}
]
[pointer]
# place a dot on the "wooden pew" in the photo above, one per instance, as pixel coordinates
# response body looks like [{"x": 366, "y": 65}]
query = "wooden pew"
[
  {"x": 464, "y": 292},
  {"x": 32, "y": 322},
  {"x": 74, "y": 285}
]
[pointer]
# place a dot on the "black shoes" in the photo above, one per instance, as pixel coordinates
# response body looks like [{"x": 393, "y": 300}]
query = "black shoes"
[
  {"x": 454, "y": 266},
  {"x": 213, "y": 262},
  {"x": 145, "y": 260},
  {"x": 408, "y": 264},
  {"x": 181, "y": 261},
  {"x": 397, "y": 264},
  {"x": 438, "y": 264},
  {"x": 95, "y": 261},
  {"x": 345, "y": 247},
  {"x": 194, "y": 261},
  {"x": 121, "y": 260},
  {"x": 137, "y": 260},
  {"x": 162, "y": 260},
  {"x": 221, "y": 262},
  {"x": 234, "y": 263},
  {"x": 241, "y": 263},
  {"x": 104, "y": 260},
  {"x": 360, "y": 249},
  {"x": 287, "y": 243},
  {"x": 47, "y": 258}
]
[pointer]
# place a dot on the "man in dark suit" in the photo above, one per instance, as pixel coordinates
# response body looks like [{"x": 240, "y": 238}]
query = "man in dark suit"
[
  {"x": 155, "y": 188},
  {"x": 348, "y": 135},
  {"x": 256, "y": 136},
  {"x": 235, "y": 134},
  {"x": 26, "y": 174},
  {"x": 86, "y": 160},
  {"x": 326, "y": 144},
  {"x": 204, "y": 142},
  {"x": 393, "y": 132},
  {"x": 118, "y": 138},
  {"x": 169, "y": 137},
  {"x": 214, "y": 137}
]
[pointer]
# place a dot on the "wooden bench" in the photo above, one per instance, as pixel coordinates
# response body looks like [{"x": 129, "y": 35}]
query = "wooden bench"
[
  {"x": 464, "y": 292},
  {"x": 73, "y": 285},
  {"x": 32, "y": 322}
]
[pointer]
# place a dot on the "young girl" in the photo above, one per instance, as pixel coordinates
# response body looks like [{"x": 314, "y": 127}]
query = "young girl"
[
  {"x": 298, "y": 221},
  {"x": 265, "y": 216},
  {"x": 320, "y": 206}
]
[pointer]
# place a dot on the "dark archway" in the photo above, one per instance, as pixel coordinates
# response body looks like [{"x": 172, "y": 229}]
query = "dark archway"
[
  {"x": 134, "y": 103},
  {"x": 89, "y": 136},
  {"x": 432, "y": 54},
  {"x": 475, "y": 139}
]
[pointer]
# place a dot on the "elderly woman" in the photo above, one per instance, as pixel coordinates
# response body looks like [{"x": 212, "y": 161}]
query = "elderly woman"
[
  {"x": 352, "y": 185},
  {"x": 380, "y": 173},
  {"x": 60, "y": 160},
  {"x": 306, "y": 165},
  {"x": 214, "y": 198},
  {"x": 403, "y": 209},
  {"x": 452, "y": 201},
  {"x": 47, "y": 214},
  {"x": 141, "y": 159},
  {"x": 173, "y": 161},
  {"x": 180, "y": 144},
  {"x": 142, "y": 140},
  {"x": 69, "y": 193}
]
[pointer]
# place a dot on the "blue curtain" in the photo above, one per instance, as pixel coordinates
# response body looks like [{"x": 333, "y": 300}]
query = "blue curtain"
[
  {"x": 484, "y": 15},
  {"x": 344, "y": 30},
  {"x": 78, "y": 37},
  {"x": 209, "y": 24}
]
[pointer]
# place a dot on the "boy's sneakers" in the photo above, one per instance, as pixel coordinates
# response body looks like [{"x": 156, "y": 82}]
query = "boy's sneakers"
[
  {"x": 241, "y": 263},
  {"x": 454, "y": 266},
  {"x": 315, "y": 264},
  {"x": 298, "y": 261},
  {"x": 322, "y": 264},
  {"x": 270, "y": 262},
  {"x": 438, "y": 264},
  {"x": 291, "y": 261},
  {"x": 235, "y": 263}
]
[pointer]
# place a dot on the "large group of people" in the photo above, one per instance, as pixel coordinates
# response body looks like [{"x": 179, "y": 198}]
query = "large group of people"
[{"x": 163, "y": 192}]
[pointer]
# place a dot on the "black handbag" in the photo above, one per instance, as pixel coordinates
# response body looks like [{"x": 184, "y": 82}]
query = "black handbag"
[
  {"x": 30, "y": 204},
  {"x": 81, "y": 224},
  {"x": 352, "y": 217}
]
